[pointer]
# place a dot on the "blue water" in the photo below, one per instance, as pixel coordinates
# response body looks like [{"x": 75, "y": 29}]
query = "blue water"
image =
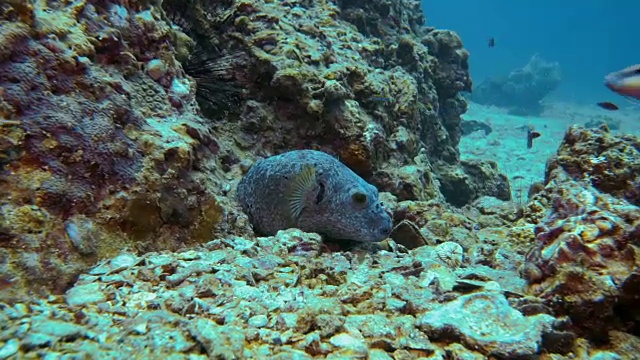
[{"x": 588, "y": 38}]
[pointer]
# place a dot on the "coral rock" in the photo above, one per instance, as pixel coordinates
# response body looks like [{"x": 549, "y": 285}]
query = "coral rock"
[
  {"x": 94, "y": 156},
  {"x": 486, "y": 322},
  {"x": 471, "y": 180},
  {"x": 610, "y": 163},
  {"x": 522, "y": 90},
  {"x": 586, "y": 255},
  {"x": 408, "y": 235}
]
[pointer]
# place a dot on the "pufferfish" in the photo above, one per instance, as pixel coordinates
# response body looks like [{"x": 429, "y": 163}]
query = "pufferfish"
[{"x": 314, "y": 192}]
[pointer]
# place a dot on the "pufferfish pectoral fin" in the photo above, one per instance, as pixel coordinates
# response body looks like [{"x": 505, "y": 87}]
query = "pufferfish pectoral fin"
[{"x": 300, "y": 188}]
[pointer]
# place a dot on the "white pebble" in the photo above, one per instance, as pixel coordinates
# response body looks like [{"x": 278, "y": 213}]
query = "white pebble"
[
  {"x": 450, "y": 253},
  {"x": 123, "y": 261},
  {"x": 347, "y": 341},
  {"x": 156, "y": 69},
  {"x": 258, "y": 321},
  {"x": 85, "y": 294},
  {"x": 9, "y": 349}
]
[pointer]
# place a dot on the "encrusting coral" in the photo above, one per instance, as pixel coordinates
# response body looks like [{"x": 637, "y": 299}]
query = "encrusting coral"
[
  {"x": 126, "y": 125},
  {"x": 313, "y": 82},
  {"x": 103, "y": 137},
  {"x": 99, "y": 141},
  {"x": 586, "y": 256}
]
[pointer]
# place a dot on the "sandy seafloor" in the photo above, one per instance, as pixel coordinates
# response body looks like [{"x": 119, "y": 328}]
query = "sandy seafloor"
[{"x": 507, "y": 144}]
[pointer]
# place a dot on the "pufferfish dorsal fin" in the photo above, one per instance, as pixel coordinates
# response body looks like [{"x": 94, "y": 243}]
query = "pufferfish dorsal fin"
[{"x": 300, "y": 185}]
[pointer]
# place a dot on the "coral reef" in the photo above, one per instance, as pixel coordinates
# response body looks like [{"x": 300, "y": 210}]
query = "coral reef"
[
  {"x": 126, "y": 124},
  {"x": 472, "y": 179},
  {"x": 586, "y": 259},
  {"x": 125, "y": 127},
  {"x": 522, "y": 90},
  {"x": 377, "y": 98},
  {"x": 100, "y": 144}
]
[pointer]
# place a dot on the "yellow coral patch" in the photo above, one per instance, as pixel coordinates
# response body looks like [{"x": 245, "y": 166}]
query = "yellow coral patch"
[
  {"x": 63, "y": 24},
  {"x": 210, "y": 217},
  {"x": 10, "y": 34},
  {"x": 25, "y": 219},
  {"x": 357, "y": 157}
]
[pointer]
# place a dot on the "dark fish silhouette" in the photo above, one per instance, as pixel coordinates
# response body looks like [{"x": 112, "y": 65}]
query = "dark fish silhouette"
[
  {"x": 608, "y": 105},
  {"x": 492, "y": 42},
  {"x": 531, "y": 134},
  {"x": 469, "y": 126}
]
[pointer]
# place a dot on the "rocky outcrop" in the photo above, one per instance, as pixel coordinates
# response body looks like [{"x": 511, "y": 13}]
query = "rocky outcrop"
[
  {"x": 127, "y": 125},
  {"x": 375, "y": 97},
  {"x": 101, "y": 147},
  {"x": 587, "y": 253},
  {"x": 611, "y": 164},
  {"x": 472, "y": 179},
  {"x": 470, "y": 126},
  {"x": 522, "y": 90}
]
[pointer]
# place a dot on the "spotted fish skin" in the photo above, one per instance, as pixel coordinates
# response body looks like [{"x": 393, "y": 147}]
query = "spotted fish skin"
[{"x": 331, "y": 207}]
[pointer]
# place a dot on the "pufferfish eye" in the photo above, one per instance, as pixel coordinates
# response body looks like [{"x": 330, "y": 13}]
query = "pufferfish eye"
[{"x": 359, "y": 198}]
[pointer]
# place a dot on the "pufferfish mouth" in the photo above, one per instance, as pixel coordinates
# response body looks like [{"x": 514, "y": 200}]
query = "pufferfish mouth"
[{"x": 385, "y": 231}]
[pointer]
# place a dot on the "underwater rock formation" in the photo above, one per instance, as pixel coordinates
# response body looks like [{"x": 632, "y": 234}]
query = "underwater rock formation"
[
  {"x": 598, "y": 121},
  {"x": 611, "y": 164},
  {"x": 461, "y": 185},
  {"x": 522, "y": 90},
  {"x": 100, "y": 144},
  {"x": 374, "y": 98},
  {"x": 382, "y": 18},
  {"x": 470, "y": 126},
  {"x": 587, "y": 254},
  {"x": 103, "y": 142}
]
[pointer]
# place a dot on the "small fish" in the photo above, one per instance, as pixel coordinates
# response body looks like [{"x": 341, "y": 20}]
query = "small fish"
[
  {"x": 608, "y": 105},
  {"x": 381, "y": 98},
  {"x": 301, "y": 185},
  {"x": 531, "y": 134},
  {"x": 625, "y": 82},
  {"x": 491, "y": 42}
]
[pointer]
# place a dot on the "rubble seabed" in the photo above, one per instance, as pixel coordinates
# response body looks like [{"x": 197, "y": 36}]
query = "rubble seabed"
[{"x": 105, "y": 154}]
